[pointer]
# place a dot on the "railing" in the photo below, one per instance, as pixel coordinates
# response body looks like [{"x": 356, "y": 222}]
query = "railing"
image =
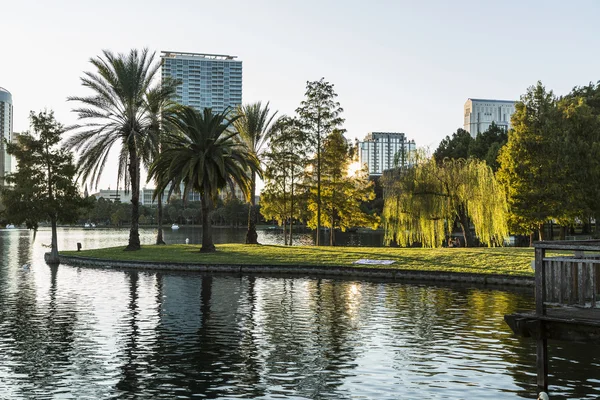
[{"x": 571, "y": 278}]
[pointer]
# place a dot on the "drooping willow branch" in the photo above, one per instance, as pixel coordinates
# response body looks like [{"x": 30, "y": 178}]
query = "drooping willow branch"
[{"x": 423, "y": 201}]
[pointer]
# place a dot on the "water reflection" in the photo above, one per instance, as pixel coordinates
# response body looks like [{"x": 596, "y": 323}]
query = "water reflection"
[{"x": 93, "y": 333}]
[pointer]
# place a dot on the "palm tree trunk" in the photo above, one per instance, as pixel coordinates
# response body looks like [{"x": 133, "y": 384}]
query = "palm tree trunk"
[
  {"x": 53, "y": 258},
  {"x": 159, "y": 235},
  {"x": 134, "y": 174},
  {"x": 207, "y": 242},
  {"x": 251, "y": 235}
]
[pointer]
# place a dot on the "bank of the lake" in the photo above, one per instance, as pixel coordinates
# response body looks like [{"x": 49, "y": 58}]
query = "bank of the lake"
[{"x": 506, "y": 266}]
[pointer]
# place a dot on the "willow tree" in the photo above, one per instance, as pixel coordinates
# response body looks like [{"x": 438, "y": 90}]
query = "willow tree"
[{"x": 422, "y": 202}]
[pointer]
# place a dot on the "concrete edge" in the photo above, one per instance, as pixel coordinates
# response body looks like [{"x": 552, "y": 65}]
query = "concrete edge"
[{"x": 392, "y": 274}]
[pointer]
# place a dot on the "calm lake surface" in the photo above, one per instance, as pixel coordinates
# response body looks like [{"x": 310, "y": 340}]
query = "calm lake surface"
[{"x": 87, "y": 333}]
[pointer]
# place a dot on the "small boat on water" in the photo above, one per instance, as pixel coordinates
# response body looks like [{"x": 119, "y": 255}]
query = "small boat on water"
[
  {"x": 10, "y": 226},
  {"x": 89, "y": 225},
  {"x": 174, "y": 227}
]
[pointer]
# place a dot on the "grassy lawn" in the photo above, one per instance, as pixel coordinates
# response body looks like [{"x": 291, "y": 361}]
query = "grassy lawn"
[{"x": 508, "y": 261}]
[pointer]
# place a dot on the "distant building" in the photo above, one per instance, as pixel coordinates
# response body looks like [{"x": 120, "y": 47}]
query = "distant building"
[
  {"x": 114, "y": 195},
  {"x": 6, "y": 127},
  {"x": 207, "y": 80},
  {"x": 385, "y": 150},
  {"x": 146, "y": 195},
  {"x": 481, "y": 113}
]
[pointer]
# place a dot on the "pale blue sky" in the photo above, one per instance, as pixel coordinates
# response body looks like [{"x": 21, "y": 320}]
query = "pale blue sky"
[{"x": 404, "y": 66}]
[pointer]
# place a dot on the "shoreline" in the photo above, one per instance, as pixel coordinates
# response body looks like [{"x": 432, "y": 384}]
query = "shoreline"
[{"x": 388, "y": 274}]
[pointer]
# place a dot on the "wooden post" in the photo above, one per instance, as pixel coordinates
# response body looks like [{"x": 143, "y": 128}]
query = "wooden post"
[
  {"x": 540, "y": 282},
  {"x": 542, "y": 360},
  {"x": 540, "y": 309}
]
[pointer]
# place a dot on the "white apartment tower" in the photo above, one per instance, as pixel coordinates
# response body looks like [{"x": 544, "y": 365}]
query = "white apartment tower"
[
  {"x": 6, "y": 127},
  {"x": 481, "y": 113},
  {"x": 207, "y": 80},
  {"x": 385, "y": 150}
]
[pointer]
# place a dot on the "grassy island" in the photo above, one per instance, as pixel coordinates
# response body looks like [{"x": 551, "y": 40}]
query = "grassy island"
[{"x": 502, "y": 261}]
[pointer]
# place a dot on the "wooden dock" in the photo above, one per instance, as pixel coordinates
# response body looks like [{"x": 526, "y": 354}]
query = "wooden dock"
[{"x": 567, "y": 299}]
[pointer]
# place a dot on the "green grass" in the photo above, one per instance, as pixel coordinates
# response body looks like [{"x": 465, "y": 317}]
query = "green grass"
[{"x": 507, "y": 261}]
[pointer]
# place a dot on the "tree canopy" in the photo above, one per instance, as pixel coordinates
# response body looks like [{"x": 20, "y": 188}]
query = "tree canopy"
[
  {"x": 531, "y": 165},
  {"x": 204, "y": 155},
  {"x": 117, "y": 114},
  {"x": 43, "y": 187},
  {"x": 341, "y": 194},
  {"x": 319, "y": 114},
  {"x": 484, "y": 146},
  {"x": 423, "y": 201}
]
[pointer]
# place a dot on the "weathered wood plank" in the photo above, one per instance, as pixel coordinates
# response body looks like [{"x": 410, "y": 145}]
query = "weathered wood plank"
[
  {"x": 581, "y": 284},
  {"x": 540, "y": 281},
  {"x": 573, "y": 289},
  {"x": 542, "y": 363},
  {"x": 593, "y": 280}
]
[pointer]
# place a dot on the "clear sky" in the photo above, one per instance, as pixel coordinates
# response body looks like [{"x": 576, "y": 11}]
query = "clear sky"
[{"x": 403, "y": 66}]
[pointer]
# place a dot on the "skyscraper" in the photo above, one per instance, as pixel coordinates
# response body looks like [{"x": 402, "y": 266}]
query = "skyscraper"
[
  {"x": 481, "y": 113},
  {"x": 385, "y": 150},
  {"x": 207, "y": 80},
  {"x": 6, "y": 126}
]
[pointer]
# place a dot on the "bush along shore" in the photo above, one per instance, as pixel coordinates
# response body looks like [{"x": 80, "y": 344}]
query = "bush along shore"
[{"x": 504, "y": 266}]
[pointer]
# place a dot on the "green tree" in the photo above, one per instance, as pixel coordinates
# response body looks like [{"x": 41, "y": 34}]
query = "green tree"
[
  {"x": 580, "y": 111},
  {"x": 204, "y": 155},
  {"x": 117, "y": 114},
  {"x": 486, "y": 145},
  {"x": 159, "y": 106},
  {"x": 423, "y": 201},
  {"x": 454, "y": 147},
  {"x": 285, "y": 165},
  {"x": 43, "y": 188},
  {"x": 342, "y": 195},
  {"x": 254, "y": 126},
  {"x": 530, "y": 163},
  {"x": 319, "y": 114}
]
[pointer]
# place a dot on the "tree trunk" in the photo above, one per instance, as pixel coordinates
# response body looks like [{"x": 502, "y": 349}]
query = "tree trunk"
[
  {"x": 53, "y": 259},
  {"x": 541, "y": 231},
  {"x": 159, "y": 234},
  {"x": 291, "y": 207},
  {"x": 251, "y": 235},
  {"x": 284, "y": 223},
  {"x": 134, "y": 176},
  {"x": 207, "y": 241},
  {"x": 531, "y": 239},
  {"x": 563, "y": 231},
  {"x": 318, "y": 182},
  {"x": 465, "y": 224},
  {"x": 332, "y": 230}
]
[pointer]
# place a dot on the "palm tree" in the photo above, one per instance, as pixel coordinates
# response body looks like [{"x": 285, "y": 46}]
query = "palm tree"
[
  {"x": 203, "y": 154},
  {"x": 254, "y": 126},
  {"x": 116, "y": 114},
  {"x": 159, "y": 105}
]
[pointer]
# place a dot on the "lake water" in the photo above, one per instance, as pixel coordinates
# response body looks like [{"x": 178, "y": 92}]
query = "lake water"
[{"x": 86, "y": 333}]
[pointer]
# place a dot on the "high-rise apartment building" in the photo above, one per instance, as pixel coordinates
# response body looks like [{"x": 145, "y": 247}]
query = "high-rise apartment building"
[
  {"x": 207, "y": 80},
  {"x": 385, "y": 150},
  {"x": 6, "y": 126},
  {"x": 481, "y": 113}
]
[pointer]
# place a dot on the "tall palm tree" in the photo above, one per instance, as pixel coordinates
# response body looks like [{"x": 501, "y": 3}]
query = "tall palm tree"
[
  {"x": 159, "y": 105},
  {"x": 254, "y": 126},
  {"x": 203, "y": 154},
  {"x": 116, "y": 115}
]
